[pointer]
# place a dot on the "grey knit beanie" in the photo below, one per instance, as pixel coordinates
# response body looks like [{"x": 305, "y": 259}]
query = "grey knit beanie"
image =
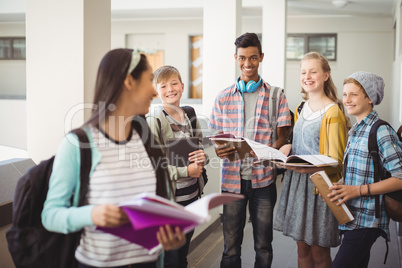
[{"x": 372, "y": 84}]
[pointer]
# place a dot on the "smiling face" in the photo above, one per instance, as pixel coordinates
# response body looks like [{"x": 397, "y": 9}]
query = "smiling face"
[
  {"x": 356, "y": 101},
  {"x": 170, "y": 90},
  {"x": 312, "y": 76},
  {"x": 248, "y": 60}
]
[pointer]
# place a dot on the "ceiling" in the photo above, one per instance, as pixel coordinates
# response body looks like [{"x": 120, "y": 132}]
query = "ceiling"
[{"x": 14, "y": 10}]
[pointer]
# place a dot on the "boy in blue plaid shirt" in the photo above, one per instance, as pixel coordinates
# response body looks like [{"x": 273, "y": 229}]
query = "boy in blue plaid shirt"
[{"x": 363, "y": 90}]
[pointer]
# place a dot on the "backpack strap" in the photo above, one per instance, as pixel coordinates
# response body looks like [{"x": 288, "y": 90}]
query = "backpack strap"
[
  {"x": 192, "y": 116},
  {"x": 300, "y": 108},
  {"x": 273, "y": 111},
  {"x": 399, "y": 133},
  {"x": 379, "y": 173},
  {"x": 86, "y": 164}
]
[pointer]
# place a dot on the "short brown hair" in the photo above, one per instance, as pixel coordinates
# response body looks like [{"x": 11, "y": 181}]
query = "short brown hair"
[
  {"x": 164, "y": 72},
  {"x": 350, "y": 80}
]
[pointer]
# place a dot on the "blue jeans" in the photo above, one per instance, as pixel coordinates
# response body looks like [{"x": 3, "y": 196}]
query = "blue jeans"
[
  {"x": 177, "y": 258},
  {"x": 261, "y": 206},
  {"x": 355, "y": 248},
  {"x": 137, "y": 265}
]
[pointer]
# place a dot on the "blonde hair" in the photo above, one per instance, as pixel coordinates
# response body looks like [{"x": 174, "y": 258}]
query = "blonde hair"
[
  {"x": 165, "y": 72},
  {"x": 329, "y": 87}
]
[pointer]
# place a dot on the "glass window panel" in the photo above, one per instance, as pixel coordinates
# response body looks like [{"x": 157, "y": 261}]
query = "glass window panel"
[
  {"x": 5, "y": 48},
  {"x": 19, "y": 49},
  {"x": 295, "y": 47},
  {"x": 325, "y": 45}
]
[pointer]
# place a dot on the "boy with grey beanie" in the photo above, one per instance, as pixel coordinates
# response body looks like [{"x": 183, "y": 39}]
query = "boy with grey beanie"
[{"x": 361, "y": 91}]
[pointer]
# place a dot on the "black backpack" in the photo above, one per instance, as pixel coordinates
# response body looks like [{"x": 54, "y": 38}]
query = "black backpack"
[
  {"x": 29, "y": 243},
  {"x": 393, "y": 200},
  {"x": 193, "y": 119}
]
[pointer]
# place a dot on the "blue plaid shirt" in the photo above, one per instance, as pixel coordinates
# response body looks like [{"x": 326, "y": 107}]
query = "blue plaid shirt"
[{"x": 360, "y": 170}]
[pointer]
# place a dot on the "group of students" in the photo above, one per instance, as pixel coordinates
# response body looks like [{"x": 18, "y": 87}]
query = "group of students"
[{"x": 127, "y": 159}]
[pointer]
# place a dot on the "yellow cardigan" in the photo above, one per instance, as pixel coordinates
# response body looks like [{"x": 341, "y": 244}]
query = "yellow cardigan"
[{"x": 333, "y": 137}]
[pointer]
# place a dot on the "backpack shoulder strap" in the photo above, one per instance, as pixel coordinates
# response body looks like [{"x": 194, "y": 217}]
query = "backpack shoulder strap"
[
  {"x": 399, "y": 133},
  {"x": 300, "y": 108},
  {"x": 373, "y": 151},
  {"x": 273, "y": 110},
  {"x": 192, "y": 116},
  {"x": 86, "y": 163}
]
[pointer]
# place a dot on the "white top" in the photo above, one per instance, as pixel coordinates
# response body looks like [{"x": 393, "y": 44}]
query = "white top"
[
  {"x": 125, "y": 170},
  {"x": 310, "y": 115}
]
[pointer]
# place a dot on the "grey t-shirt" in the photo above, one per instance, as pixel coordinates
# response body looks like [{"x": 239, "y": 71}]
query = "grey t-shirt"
[{"x": 250, "y": 104}]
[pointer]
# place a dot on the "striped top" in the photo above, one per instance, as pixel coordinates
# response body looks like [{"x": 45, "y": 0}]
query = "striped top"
[
  {"x": 187, "y": 189},
  {"x": 123, "y": 171},
  {"x": 228, "y": 116},
  {"x": 360, "y": 170}
]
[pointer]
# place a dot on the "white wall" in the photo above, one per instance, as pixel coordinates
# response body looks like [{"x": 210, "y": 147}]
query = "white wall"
[
  {"x": 175, "y": 43},
  {"x": 13, "y": 122},
  {"x": 364, "y": 44},
  {"x": 12, "y": 72}
]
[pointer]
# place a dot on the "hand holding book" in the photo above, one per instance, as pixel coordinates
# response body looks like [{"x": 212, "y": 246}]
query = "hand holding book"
[
  {"x": 147, "y": 213},
  {"x": 323, "y": 184}
]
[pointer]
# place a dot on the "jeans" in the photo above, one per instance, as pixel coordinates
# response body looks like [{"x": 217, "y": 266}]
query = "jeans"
[
  {"x": 178, "y": 258},
  {"x": 355, "y": 248},
  {"x": 137, "y": 265},
  {"x": 261, "y": 206}
]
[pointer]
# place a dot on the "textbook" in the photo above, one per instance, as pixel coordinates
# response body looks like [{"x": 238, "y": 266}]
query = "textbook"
[
  {"x": 267, "y": 155},
  {"x": 147, "y": 212},
  {"x": 277, "y": 157},
  {"x": 179, "y": 148},
  {"x": 322, "y": 183},
  {"x": 242, "y": 145}
]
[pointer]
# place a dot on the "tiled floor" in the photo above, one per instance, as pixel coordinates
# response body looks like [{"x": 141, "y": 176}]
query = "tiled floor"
[{"x": 208, "y": 253}]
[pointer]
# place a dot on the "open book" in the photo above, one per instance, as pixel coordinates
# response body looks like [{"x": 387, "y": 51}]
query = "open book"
[
  {"x": 147, "y": 212},
  {"x": 277, "y": 157},
  {"x": 322, "y": 183},
  {"x": 242, "y": 145},
  {"x": 267, "y": 155}
]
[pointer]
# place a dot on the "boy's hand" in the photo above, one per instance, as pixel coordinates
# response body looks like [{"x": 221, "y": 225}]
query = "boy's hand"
[
  {"x": 194, "y": 170},
  {"x": 224, "y": 151},
  {"x": 343, "y": 192},
  {"x": 198, "y": 157}
]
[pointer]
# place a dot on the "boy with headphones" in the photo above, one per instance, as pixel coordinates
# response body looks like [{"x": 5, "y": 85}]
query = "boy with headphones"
[{"x": 242, "y": 109}]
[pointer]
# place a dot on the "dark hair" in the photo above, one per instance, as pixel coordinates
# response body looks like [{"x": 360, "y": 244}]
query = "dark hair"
[
  {"x": 112, "y": 72},
  {"x": 248, "y": 40},
  {"x": 158, "y": 159}
]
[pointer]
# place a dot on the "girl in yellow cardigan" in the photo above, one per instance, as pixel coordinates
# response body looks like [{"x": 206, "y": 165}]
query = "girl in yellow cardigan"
[{"x": 320, "y": 128}]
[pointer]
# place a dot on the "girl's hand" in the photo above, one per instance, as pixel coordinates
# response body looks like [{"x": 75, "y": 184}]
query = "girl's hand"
[
  {"x": 285, "y": 149},
  {"x": 169, "y": 239},
  {"x": 198, "y": 157},
  {"x": 301, "y": 169},
  {"x": 343, "y": 192},
  {"x": 108, "y": 216},
  {"x": 194, "y": 170}
]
